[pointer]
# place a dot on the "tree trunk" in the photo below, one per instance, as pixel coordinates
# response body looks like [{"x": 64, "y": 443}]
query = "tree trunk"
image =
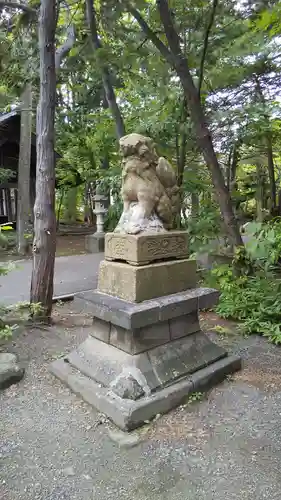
[
  {"x": 178, "y": 61},
  {"x": 234, "y": 163},
  {"x": 271, "y": 175},
  {"x": 44, "y": 244},
  {"x": 194, "y": 205},
  {"x": 205, "y": 144},
  {"x": 59, "y": 209},
  {"x": 260, "y": 193},
  {"x": 182, "y": 146},
  {"x": 23, "y": 202},
  {"x": 70, "y": 213},
  {"x": 9, "y": 204},
  {"x": 268, "y": 140},
  {"x": 2, "y": 210},
  {"x": 106, "y": 76},
  {"x": 32, "y": 198}
]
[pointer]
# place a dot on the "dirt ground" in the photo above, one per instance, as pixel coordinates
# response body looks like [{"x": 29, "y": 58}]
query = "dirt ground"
[
  {"x": 66, "y": 245},
  {"x": 70, "y": 245}
]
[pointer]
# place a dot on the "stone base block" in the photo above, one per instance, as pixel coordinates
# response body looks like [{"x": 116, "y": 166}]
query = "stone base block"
[
  {"x": 145, "y": 248},
  {"x": 136, "y": 340},
  {"x": 131, "y": 316},
  {"x": 132, "y": 389},
  {"x": 137, "y": 284},
  {"x": 94, "y": 243}
]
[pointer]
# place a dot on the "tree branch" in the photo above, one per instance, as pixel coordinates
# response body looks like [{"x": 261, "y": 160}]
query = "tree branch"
[
  {"x": 205, "y": 46},
  {"x": 164, "y": 51},
  {"x": 105, "y": 72},
  {"x": 170, "y": 32},
  {"x": 66, "y": 47}
]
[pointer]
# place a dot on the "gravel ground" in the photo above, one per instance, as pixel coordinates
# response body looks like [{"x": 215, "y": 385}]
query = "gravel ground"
[{"x": 55, "y": 447}]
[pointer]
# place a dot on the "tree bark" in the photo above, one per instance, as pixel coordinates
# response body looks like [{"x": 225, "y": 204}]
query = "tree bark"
[
  {"x": 9, "y": 204},
  {"x": 194, "y": 205},
  {"x": 178, "y": 60},
  {"x": 2, "y": 210},
  {"x": 205, "y": 45},
  {"x": 23, "y": 201},
  {"x": 44, "y": 244},
  {"x": 106, "y": 76},
  {"x": 70, "y": 203},
  {"x": 182, "y": 144},
  {"x": 271, "y": 175},
  {"x": 260, "y": 193},
  {"x": 269, "y": 151}
]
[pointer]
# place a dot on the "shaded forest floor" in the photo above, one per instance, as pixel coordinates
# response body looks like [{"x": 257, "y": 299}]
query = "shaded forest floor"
[
  {"x": 55, "y": 447},
  {"x": 72, "y": 244}
]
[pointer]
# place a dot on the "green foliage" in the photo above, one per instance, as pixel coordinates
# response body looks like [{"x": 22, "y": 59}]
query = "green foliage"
[
  {"x": 264, "y": 243},
  {"x": 8, "y": 237},
  {"x": 252, "y": 300},
  {"x": 204, "y": 227},
  {"x": 194, "y": 397}
]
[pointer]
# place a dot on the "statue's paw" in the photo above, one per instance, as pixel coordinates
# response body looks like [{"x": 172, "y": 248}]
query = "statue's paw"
[{"x": 134, "y": 229}]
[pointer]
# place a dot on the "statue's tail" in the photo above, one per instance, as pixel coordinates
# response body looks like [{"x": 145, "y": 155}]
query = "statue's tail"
[{"x": 164, "y": 210}]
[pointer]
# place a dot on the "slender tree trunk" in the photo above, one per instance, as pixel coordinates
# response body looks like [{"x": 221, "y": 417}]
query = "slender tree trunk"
[
  {"x": 32, "y": 198},
  {"x": 179, "y": 62},
  {"x": 234, "y": 163},
  {"x": 59, "y": 209},
  {"x": 44, "y": 244},
  {"x": 9, "y": 204},
  {"x": 260, "y": 193},
  {"x": 1, "y": 201},
  {"x": 106, "y": 76},
  {"x": 194, "y": 205},
  {"x": 70, "y": 213},
  {"x": 205, "y": 45},
  {"x": 23, "y": 203},
  {"x": 271, "y": 175},
  {"x": 182, "y": 144},
  {"x": 268, "y": 140}
]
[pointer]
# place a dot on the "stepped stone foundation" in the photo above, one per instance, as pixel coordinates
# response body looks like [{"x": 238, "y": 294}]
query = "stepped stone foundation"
[{"x": 146, "y": 352}]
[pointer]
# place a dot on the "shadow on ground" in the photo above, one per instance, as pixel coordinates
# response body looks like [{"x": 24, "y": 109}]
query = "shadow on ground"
[{"x": 55, "y": 447}]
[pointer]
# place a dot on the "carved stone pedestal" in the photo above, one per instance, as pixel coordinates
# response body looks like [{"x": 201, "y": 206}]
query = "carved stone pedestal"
[
  {"x": 145, "y": 248},
  {"x": 146, "y": 352}
]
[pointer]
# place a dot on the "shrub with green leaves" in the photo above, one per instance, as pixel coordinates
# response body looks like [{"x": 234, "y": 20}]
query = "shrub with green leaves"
[
  {"x": 253, "y": 300},
  {"x": 263, "y": 243}
]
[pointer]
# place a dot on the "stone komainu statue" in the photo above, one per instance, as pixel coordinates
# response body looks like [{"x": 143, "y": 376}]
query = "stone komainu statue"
[{"x": 149, "y": 189}]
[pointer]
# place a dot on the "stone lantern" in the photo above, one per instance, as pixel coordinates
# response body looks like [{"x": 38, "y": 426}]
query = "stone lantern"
[{"x": 94, "y": 243}]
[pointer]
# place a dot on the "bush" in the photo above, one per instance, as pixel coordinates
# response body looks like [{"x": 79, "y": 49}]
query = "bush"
[
  {"x": 264, "y": 243},
  {"x": 253, "y": 300},
  {"x": 8, "y": 237}
]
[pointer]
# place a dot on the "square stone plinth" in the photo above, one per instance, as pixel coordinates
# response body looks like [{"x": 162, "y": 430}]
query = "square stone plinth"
[
  {"x": 144, "y": 248},
  {"x": 137, "y": 284}
]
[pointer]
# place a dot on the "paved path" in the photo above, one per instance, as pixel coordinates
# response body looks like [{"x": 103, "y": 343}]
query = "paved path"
[
  {"x": 72, "y": 274},
  {"x": 55, "y": 447}
]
